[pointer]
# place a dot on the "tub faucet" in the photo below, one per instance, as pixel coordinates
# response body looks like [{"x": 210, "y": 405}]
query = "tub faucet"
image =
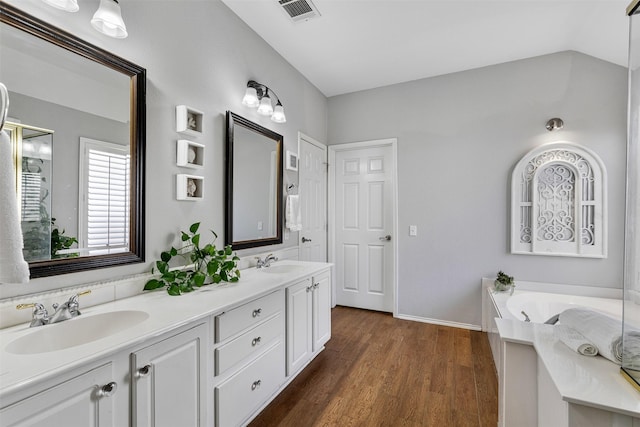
[
  {"x": 526, "y": 317},
  {"x": 266, "y": 262}
]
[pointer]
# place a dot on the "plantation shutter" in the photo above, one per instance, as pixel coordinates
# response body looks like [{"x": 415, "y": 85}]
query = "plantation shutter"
[{"x": 106, "y": 212}]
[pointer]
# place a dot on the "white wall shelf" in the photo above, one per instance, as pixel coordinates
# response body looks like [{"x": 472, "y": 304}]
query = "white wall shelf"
[
  {"x": 189, "y": 187},
  {"x": 189, "y": 120},
  {"x": 189, "y": 154}
]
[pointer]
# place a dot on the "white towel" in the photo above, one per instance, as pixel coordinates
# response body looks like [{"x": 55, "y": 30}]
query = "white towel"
[
  {"x": 293, "y": 217},
  {"x": 13, "y": 268},
  {"x": 575, "y": 340},
  {"x": 604, "y": 332}
]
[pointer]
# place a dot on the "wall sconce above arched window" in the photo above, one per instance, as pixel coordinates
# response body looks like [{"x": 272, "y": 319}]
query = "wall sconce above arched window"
[{"x": 258, "y": 95}]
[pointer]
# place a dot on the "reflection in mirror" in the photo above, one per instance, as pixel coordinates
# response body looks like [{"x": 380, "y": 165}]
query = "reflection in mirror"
[
  {"x": 82, "y": 202},
  {"x": 254, "y": 184}
]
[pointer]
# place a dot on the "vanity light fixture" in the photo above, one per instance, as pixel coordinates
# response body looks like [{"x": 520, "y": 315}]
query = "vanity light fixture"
[
  {"x": 257, "y": 95},
  {"x": 554, "y": 124},
  {"x": 108, "y": 19},
  {"x": 66, "y": 5}
]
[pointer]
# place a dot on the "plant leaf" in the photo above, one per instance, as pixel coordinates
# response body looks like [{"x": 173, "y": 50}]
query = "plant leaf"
[
  {"x": 228, "y": 251},
  {"x": 223, "y": 275},
  {"x": 173, "y": 251},
  {"x": 234, "y": 279},
  {"x": 212, "y": 267},
  {"x": 153, "y": 284},
  {"x": 216, "y": 278},
  {"x": 194, "y": 227},
  {"x": 196, "y": 240},
  {"x": 185, "y": 236},
  {"x": 173, "y": 290},
  {"x": 162, "y": 267},
  {"x": 198, "y": 278},
  {"x": 165, "y": 256}
]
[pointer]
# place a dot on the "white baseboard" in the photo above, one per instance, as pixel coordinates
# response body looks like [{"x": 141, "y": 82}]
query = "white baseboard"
[{"x": 440, "y": 322}]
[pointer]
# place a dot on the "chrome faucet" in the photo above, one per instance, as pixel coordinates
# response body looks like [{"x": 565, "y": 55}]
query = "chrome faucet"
[
  {"x": 65, "y": 311},
  {"x": 266, "y": 262}
]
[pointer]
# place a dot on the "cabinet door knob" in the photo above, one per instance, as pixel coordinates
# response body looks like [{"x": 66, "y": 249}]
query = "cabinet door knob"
[
  {"x": 255, "y": 341},
  {"x": 108, "y": 390},
  {"x": 309, "y": 288},
  {"x": 315, "y": 285},
  {"x": 144, "y": 371},
  {"x": 256, "y": 384},
  {"x": 256, "y": 312}
]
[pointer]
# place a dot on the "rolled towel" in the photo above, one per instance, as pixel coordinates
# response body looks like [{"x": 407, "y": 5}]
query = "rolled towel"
[
  {"x": 13, "y": 268},
  {"x": 603, "y": 331},
  {"x": 631, "y": 352},
  {"x": 575, "y": 340}
]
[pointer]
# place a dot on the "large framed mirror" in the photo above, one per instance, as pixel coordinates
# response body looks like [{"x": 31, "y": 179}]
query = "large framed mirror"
[
  {"x": 253, "y": 184},
  {"x": 77, "y": 121}
]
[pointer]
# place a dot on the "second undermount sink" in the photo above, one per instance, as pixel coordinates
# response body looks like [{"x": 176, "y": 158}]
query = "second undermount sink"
[
  {"x": 282, "y": 268},
  {"x": 75, "y": 332}
]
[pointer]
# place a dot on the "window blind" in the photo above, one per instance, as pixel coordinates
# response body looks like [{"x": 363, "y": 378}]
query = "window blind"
[{"x": 107, "y": 198}]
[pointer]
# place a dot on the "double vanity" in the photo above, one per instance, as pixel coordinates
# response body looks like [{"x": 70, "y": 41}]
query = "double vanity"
[{"x": 216, "y": 356}]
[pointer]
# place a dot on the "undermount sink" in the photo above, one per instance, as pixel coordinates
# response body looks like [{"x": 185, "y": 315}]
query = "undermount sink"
[
  {"x": 74, "y": 332},
  {"x": 282, "y": 269}
]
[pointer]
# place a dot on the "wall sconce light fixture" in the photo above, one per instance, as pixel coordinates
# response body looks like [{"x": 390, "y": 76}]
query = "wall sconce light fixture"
[
  {"x": 257, "y": 95},
  {"x": 107, "y": 19},
  {"x": 554, "y": 124}
]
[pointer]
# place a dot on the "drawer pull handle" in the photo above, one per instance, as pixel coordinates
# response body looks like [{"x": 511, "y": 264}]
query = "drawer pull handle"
[
  {"x": 108, "y": 390},
  {"x": 256, "y": 384},
  {"x": 256, "y": 312},
  {"x": 309, "y": 288},
  {"x": 255, "y": 341},
  {"x": 315, "y": 285},
  {"x": 144, "y": 371}
]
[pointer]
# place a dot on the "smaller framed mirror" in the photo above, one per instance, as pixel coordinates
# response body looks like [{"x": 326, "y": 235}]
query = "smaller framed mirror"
[{"x": 253, "y": 195}]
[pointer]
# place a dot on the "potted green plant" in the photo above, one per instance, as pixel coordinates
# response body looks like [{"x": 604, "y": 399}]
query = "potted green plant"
[
  {"x": 503, "y": 282},
  {"x": 210, "y": 265}
]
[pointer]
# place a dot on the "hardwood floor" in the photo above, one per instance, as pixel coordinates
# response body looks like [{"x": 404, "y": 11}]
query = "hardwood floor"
[{"x": 380, "y": 371}]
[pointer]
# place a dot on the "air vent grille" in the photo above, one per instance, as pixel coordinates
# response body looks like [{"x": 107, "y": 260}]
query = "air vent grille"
[{"x": 299, "y": 10}]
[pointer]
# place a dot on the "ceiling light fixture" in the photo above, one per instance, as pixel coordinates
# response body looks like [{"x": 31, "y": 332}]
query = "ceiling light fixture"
[
  {"x": 554, "y": 124},
  {"x": 257, "y": 95},
  {"x": 108, "y": 19},
  {"x": 67, "y": 5}
]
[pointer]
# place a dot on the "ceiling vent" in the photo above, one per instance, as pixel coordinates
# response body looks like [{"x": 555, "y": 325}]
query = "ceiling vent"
[{"x": 299, "y": 10}]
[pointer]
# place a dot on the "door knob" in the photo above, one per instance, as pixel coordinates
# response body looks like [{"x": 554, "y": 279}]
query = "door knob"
[
  {"x": 385, "y": 238},
  {"x": 304, "y": 240}
]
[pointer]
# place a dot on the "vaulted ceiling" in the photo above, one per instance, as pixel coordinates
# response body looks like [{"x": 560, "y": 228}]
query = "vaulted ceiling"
[{"x": 361, "y": 44}]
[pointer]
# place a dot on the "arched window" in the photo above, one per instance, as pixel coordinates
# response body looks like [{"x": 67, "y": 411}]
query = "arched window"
[{"x": 559, "y": 202}]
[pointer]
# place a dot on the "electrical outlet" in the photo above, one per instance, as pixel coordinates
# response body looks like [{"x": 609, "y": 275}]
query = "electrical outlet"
[{"x": 413, "y": 230}]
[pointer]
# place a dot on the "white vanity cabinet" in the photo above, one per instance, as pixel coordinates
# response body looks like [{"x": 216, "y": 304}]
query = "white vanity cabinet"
[
  {"x": 168, "y": 381},
  {"x": 308, "y": 319},
  {"x": 249, "y": 358},
  {"x": 84, "y": 400}
]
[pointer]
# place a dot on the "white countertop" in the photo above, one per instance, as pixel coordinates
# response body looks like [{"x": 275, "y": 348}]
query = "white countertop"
[
  {"x": 165, "y": 314},
  {"x": 590, "y": 381}
]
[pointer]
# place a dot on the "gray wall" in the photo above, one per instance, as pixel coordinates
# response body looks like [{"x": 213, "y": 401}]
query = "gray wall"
[
  {"x": 200, "y": 54},
  {"x": 459, "y": 136}
]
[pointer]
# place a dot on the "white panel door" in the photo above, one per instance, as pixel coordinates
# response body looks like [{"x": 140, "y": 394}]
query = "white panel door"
[
  {"x": 312, "y": 171},
  {"x": 364, "y": 219}
]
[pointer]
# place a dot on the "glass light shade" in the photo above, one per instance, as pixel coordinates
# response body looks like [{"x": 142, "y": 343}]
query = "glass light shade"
[
  {"x": 66, "y": 5},
  {"x": 108, "y": 20},
  {"x": 265, "y": 108},
  {"x": 251, "y": 97},
  {"x": 278, "y": 114}
]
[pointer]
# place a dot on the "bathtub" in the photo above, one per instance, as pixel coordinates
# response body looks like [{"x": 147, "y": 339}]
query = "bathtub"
[{"x": 541, "y": 306}]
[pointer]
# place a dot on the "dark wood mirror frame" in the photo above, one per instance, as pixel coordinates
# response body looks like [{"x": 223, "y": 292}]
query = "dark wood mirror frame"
[
  {"x": 236, "y": 120},
  {"x": 38, "y": 28}
]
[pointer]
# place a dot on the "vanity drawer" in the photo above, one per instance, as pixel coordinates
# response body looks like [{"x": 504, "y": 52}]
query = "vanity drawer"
[
  {"x": 247, "y": 315},
  {"x": 243, "y": 393},
  {"x": 249, "y": 343}
]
